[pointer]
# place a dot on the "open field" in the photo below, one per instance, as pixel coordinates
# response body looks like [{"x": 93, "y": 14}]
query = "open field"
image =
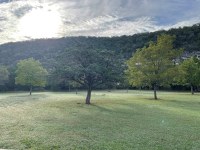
[{"x": 115, "y": 120}]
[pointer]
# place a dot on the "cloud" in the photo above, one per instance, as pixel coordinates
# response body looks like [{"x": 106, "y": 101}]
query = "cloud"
[{"x": 100, "y": 17}]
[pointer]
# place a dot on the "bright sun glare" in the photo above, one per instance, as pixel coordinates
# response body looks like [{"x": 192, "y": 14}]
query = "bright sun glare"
[{"x": 40, "y": 23}]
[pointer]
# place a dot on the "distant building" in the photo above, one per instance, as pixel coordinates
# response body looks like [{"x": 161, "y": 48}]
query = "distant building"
[
  {"x": 188, "y": 55},
  {"x": 197, "y": 54}
]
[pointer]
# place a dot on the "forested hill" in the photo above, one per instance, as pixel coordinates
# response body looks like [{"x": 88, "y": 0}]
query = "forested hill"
[{"x": 46, "y": 50}]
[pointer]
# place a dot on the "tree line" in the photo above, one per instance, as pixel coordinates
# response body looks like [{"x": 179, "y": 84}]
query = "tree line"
[
  {"x": 157, "y": 64},
  {"x": 46, "y": 50},
  {"x": 160, "y": 64}
]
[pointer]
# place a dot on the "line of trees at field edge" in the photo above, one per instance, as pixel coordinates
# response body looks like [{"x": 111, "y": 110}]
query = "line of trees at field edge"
[{"x": 152, "y": 66}]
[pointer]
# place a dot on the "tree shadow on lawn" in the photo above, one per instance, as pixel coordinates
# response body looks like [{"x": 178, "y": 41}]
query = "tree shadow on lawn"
[
  {"x": 183, "y": 102},
  {"x": 121, "y": 109},
  {"x": 152, "y": 99},
  {"x": 20, "y": 99},
  {"x": 166, "y": 100},
  {"x": 187, "y": 105},
  {"x": 178, "y": 104},
  {"x": 101, "y": 108}
]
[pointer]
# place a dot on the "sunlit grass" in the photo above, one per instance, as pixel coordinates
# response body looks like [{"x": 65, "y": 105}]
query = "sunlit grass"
[{"x": 115, "y": 120}]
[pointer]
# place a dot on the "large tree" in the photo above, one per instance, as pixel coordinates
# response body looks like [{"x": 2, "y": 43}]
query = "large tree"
[
  {"x": 4, "y": 75},
  {"x": 90, "y": 67},
  {"x": 153, "y": 65},
  {"x": 189, "y": 73},
  {"x": 30, "y": 72}
]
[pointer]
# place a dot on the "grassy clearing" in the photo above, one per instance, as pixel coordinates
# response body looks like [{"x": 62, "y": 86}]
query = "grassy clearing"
[{"x": 116, "y": 120}]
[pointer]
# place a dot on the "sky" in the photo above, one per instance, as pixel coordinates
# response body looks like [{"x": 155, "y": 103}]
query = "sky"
[{"x": 32, "y": 19}]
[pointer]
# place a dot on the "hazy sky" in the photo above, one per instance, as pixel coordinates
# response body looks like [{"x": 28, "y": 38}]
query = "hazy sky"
[{"x": 31, "y": 19}]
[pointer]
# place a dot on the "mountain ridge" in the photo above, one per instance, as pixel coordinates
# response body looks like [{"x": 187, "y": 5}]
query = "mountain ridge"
[{"x": 46, "y": 50}]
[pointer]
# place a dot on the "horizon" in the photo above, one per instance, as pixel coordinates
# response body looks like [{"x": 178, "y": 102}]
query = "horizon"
[
  {"x": 85, "y": 36},
  {"x": 22, "y": 20}
]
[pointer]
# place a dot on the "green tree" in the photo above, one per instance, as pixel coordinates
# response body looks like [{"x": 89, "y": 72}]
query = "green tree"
[
  {"x": 4, "y": 75},
  {"x": 189, "y": 72},
  {"x": 31, "y": 73},
  {"x": 153, "y": 65},
  {"x": 90, "y": 67}
]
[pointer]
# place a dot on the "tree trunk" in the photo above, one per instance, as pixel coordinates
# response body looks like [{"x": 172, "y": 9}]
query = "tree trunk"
[
  {"x": 88, "y": 96},
  {"x": 192, "y": 90},
  {"x": 155, "y": 91},
  {"x": 30, "y": 89}
]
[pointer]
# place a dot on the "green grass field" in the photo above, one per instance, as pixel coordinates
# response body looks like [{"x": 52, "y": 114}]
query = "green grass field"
[{"x": 116, "y": 120}]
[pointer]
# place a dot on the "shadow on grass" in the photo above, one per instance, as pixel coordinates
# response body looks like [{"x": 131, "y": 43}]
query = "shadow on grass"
[
  {"x": 152, "y": 99},
  {"x": 27, "y": 95},
  {"x": 193, "y": 104},
  {"x": 20, "y": 99},
  {"x": 125, "y": 110},
  {"x": 101, "y": 108}
]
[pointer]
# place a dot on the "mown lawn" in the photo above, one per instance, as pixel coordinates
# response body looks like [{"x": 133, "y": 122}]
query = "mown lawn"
[{"x": 116, "y": 120}]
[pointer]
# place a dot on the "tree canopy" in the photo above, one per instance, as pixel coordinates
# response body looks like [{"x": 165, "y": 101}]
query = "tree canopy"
[
  {"x": 4, "y": 75},
  {"x": 153, "y": 65},
  {"x": 189, "y": 73},
  {"x": 30, "y": 72},
  {"x": 46, "y": 50},
  {"x": 90, "y": 67}
]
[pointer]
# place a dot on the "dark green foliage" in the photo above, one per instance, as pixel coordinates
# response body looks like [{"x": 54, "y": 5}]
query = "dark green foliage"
[
  {"x": 90, "y": 67},
  {"x": 46, "y": 50},
  {"x": 4, "y": 75}
]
